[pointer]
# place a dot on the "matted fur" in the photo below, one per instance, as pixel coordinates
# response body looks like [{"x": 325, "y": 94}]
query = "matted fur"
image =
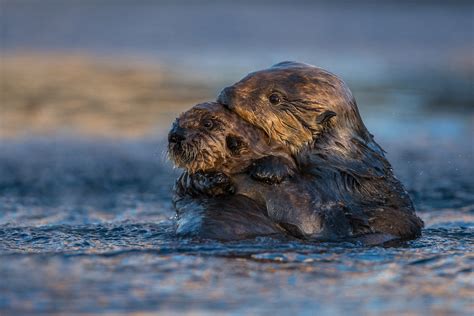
[
  {"x": 317, "y": 119},
  {"x": 306, "y": 92},
  {"x": 338, "y": 196},
  {"x": 204, "y": 149}
]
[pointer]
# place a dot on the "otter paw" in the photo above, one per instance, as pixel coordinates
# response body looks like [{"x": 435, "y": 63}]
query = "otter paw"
[
  {"x": 212, "y": 183},
  {"x": 270, "y": 169}
]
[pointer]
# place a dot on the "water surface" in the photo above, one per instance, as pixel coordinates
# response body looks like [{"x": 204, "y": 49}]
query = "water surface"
[{"x": 86, "y": 227}]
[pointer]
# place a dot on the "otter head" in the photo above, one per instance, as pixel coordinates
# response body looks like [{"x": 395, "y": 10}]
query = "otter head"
[
  {"x": 209, "y": 137},
  {"x": 293, "y": 103}
]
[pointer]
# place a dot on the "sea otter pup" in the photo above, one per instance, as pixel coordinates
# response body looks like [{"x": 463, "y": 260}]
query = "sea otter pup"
[
  {"x": 209, "y": 141},
  {"x": 313, "y": 114},
  {"x": 206, "y": 141}
]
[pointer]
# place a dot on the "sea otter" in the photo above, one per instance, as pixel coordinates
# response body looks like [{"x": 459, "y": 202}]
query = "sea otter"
[
  {"x": 312, "y": 113},
  {"x": 218, "y": 148}
]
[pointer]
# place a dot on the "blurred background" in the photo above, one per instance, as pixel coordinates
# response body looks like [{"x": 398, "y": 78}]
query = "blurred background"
[
  {"x": 126, "y": 68},
  {"x": 89, "y": 89}
]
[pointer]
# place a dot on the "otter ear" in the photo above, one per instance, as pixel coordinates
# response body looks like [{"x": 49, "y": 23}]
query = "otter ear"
[
  {"x": 325, "y": 117},
  {"x": 235, "y": 144}
]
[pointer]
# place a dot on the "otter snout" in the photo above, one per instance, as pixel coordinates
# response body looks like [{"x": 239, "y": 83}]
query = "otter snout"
[
  {"x": 226, "y": 96},
  {"x": 176, "y": 135}
]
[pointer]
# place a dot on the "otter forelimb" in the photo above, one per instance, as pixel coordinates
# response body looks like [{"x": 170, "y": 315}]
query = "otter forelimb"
[{"x": 270, "y": 169}]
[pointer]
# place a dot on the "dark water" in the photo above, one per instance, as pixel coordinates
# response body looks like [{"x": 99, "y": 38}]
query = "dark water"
[{"x": 85, "y": 227}]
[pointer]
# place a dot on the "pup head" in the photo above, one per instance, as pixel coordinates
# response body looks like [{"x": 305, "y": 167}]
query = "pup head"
[
  {"x": 293, "y": 103},
  {"x": 209, "y": 137}
]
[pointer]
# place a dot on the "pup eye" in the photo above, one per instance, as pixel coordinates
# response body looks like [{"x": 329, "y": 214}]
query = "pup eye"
[
  {"x": 274, "y": 98},
  {"x": 208, "y": 124}
]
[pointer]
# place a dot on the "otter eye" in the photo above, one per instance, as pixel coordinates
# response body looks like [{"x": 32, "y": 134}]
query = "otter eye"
[
  {"x": 208, "y": 124},
  {"x": 274, "y": 98}
]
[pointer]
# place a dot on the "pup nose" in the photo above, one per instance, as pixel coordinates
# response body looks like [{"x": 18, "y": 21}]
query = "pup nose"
[
  {"x": 176, "y": 135},
  {"x": 225, "y": 97}
]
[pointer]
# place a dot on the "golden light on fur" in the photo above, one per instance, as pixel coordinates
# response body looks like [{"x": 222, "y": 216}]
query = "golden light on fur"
[
  {"x": 304, "y": 94},
  {"x": 229, "y": 144}
]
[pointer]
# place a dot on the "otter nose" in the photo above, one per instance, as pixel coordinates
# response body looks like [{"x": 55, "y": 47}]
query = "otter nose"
[
  {"x": 176, "y": 135},
  {"x": 226, "y": 96}
]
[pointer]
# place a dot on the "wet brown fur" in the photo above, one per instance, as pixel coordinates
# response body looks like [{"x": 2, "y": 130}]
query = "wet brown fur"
[
  {"x": 321, "y": 205},
  {"x": 206, "y": 205},
  {"x": 319, "y": 122},
  {"x": 306, "y": 92},
  {"x": 204, "y": 149}
]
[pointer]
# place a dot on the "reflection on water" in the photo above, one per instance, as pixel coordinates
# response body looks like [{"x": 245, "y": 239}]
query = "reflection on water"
[{"x": 86, "y": 226}]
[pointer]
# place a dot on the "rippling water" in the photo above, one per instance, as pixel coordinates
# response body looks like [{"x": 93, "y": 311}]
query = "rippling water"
[{"x": 86, "y": 227}]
